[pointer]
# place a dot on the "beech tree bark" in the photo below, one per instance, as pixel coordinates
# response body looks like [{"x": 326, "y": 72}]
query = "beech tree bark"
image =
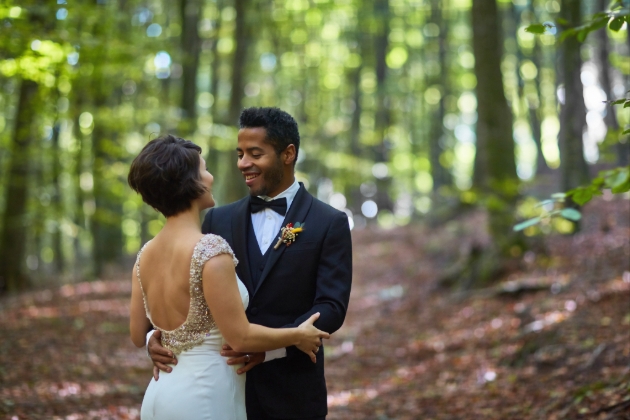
[
  {"x": 440, "y": 174},
  {"x": 610, "y": 119},
  {"x": 13, "y": 240},
  {"x": 235, "y": 186},
  {"x": 191, "y": 46},
  {"x": 106, "y": 222},
  {"x": 574, "y": 170},
  {"x": 495, "y": 161}
]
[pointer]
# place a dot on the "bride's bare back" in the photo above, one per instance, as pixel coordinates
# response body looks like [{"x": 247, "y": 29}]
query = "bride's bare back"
[{"x": 165, "y": 277}]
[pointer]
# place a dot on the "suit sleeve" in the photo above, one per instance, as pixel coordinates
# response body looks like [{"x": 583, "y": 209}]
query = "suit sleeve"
[{"x": 334, "y": 279}]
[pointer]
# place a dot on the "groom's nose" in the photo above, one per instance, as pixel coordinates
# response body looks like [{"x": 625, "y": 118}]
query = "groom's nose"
[{"x": 244, "y": 163}]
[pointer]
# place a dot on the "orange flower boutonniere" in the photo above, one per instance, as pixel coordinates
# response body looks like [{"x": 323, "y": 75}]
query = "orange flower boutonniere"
[{"x": 289, "y": 233}]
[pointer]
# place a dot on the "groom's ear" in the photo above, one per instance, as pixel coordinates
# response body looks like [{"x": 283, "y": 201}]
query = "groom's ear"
[{"x": 288, "y": 155}]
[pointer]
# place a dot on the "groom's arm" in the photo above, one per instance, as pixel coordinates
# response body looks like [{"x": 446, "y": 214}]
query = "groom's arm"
[{"x": 334, "y": 279}]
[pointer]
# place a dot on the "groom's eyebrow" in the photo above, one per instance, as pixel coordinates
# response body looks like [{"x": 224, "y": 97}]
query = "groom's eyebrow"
[{"x": 251, "y": 149}]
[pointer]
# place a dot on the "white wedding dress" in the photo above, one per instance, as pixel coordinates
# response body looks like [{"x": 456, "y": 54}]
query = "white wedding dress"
[{"x": 202, "y": 386}]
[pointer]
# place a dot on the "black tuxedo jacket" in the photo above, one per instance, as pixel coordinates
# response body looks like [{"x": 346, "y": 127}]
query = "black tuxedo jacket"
[{"x": 311, "y": 275}]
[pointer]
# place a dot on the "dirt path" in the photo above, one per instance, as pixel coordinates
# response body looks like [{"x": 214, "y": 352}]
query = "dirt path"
[{"x": 408, "y": 350}]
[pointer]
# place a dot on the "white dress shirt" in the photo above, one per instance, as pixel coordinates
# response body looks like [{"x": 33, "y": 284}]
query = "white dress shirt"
[{"x": 267, "y": 224}]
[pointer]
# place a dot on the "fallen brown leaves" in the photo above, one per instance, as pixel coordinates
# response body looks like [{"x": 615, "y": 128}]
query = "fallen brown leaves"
[
  {"x": 558, "y": 348},
  {"x": 555, "y": 345}
]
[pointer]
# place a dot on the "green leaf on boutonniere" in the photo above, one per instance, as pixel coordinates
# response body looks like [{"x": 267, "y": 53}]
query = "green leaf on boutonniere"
[{"x": 297, "y": 225}]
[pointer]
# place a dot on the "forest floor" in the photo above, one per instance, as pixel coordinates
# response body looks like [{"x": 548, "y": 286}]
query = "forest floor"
[{"x": 551, "y": 340}]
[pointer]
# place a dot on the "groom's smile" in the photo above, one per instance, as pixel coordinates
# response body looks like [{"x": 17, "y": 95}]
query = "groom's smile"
[{"x": 260, "y": 164}]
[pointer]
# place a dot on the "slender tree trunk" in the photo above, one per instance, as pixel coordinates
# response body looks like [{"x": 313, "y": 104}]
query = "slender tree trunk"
[
  {"x": 574, "y": 170},
  {"x": 355, "y": 122},
  {"x": 213, "y": 153},
  {"x": 440, "y": 174},
  {"x": 242, "y": 41},
  {"x": 610, "y": 119},
  {"x": 79, "y": 198},
  {"x": 534, "y": 105},
  {"x": 381, "y": 43},
  {"x": 495, "y": 145},
  {"x": 532, "y": 102},
  {"x": 56, "y": 201},
  {"x": 382, "y": 115},
  {"x": 235, "y": 186},
  {"x": 354, "y": 80},
  {"x": 13, "y": 240},
  {"x": 106, "y": 222},
  {"x": 191, "y": 46}
]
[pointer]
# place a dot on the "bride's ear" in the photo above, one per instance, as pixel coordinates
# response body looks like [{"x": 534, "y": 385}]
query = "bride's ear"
[{"x": 289, "y": 155}]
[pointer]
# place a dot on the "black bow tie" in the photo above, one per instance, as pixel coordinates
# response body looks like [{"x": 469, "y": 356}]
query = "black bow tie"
[{"x": 258, "y": 204}]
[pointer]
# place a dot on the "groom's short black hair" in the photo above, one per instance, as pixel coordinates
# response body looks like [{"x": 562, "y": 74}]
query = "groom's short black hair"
[
  {"x": 166, "y": 174},
  {"x": 282, "y": 130}
]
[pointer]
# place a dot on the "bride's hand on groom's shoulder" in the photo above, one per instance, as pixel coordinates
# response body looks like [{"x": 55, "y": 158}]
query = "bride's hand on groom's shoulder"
[
  {"x": 160, "y": 356},
  {"x": 248, "y": 360},
  {"x": 311, "y": 337}
]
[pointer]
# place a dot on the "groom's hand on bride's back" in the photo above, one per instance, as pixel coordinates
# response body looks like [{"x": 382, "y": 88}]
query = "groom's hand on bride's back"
[
  {"x": 248, "y": 360},
  {"x": 160, "y": 356}
]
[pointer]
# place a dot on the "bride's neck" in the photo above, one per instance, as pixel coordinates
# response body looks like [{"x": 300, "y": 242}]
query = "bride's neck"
[{"x": 186, "y": 220}]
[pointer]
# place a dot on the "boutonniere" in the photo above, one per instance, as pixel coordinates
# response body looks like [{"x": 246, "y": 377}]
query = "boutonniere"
[{"x": 289, "y": 233}]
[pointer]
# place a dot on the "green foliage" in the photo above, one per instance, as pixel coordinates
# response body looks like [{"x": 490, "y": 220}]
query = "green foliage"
[
  {"x": 548, "y": 209},
  {"x": 616, "y": 180},
  {"x": 539, "y": 28},
  {"x": 614, "y": 18}
]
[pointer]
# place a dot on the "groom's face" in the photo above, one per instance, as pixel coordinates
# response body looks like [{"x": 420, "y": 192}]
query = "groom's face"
[{"x": 261, "y": 167}]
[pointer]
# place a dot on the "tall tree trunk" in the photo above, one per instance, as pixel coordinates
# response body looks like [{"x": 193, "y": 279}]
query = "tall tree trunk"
[
  {"x": 381, "y": 43},
  {"x": 13, "y": 239},
  {"x": 235, "y": 186},
  {"x": 80, "y": 220},
  {"x": 440, "y": 174},
  {"x": 213, "y": 153},
  {"x": 495, "y": 144},
  {"x": 56, "y": 202},
  {"x": 354, "y": 80},
  {"x": 604, "y": 78},
  {"x": 382, "y": 116},
  {"x": 106, "y": 222},
  {"x": 532, "y": 103},
  {"x": 574, "y": 170},
  {"x": 355, "y": 122},
  {"x": 534, "y": 111},
  {"x": 191, "y": 46}
]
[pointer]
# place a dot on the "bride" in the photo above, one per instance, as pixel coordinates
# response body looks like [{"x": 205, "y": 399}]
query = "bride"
[{"x": 185, "y": 285}]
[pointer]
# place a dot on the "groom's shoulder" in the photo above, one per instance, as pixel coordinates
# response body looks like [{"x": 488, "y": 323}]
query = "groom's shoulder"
[
  {"x": 326, "y": 211},
  {"x": 226, "y": 211}
]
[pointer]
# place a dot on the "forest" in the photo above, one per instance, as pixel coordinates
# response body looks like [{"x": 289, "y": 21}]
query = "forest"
[{"x": 480, "y": 149}]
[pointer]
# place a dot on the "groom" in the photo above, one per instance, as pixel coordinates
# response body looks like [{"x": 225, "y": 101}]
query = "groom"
[{"x": 287, "y": 282}]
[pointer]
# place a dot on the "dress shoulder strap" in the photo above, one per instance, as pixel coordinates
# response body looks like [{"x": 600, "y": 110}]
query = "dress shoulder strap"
[
  {"x": 144, "y": 297},
  {"x": 210, "y": 246}
]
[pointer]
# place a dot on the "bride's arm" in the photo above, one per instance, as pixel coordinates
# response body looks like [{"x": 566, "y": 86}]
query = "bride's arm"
[
  {"x": 138, "y": 321},
  {"x": 224, "y": 300}
]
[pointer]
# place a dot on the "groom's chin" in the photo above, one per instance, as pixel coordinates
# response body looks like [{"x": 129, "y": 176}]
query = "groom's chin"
[{"x": 254, "y": 192}]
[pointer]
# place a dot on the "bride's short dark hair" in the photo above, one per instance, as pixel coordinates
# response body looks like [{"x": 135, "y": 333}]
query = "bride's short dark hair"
[{"x": 166, "y": 174}]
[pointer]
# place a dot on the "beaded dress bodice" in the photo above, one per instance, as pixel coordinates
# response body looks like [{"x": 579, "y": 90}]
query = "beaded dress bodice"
[{"x": 199, "y": 321}]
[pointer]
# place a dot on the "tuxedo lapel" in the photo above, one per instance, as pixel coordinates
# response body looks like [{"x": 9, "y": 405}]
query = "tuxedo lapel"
[
  {"x": 240, "y": 222},
  {"x": 297, "y": 213}
]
